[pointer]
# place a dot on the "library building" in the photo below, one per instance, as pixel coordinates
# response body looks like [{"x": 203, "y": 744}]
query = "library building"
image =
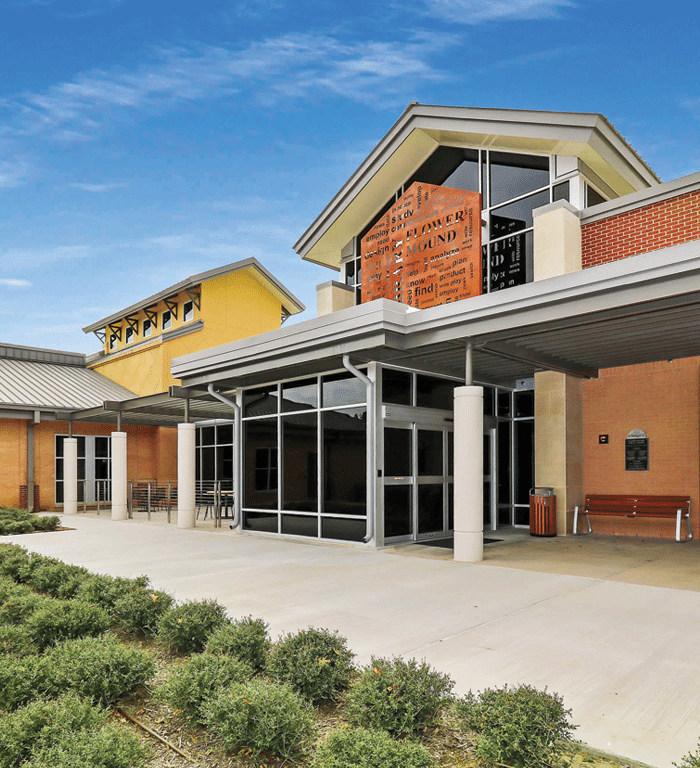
[{"x": 512, "y": 329}]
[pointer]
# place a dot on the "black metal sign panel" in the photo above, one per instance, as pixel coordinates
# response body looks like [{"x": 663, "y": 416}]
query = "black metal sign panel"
[{"x": 637, "y": 454}]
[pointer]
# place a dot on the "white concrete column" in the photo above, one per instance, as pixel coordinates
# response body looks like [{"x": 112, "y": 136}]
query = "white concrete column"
[
  {"x": 70, "y": 476},
  {"x": 186, "y": 464},
  {"x": 119, "y": 478},
  {"x": 469, "y": 474}
]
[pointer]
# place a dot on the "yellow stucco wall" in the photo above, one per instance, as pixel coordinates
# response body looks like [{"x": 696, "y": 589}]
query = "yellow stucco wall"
[{"x": 232, "y": 307}]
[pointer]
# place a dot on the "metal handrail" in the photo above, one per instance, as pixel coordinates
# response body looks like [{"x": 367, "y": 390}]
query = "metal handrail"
[
  {"x": 102, "y": 495},
  {"x": 149, "y": 495}
]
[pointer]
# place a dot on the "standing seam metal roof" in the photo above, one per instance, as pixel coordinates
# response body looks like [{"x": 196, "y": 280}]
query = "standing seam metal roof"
[{"x": 55, "y": 386}]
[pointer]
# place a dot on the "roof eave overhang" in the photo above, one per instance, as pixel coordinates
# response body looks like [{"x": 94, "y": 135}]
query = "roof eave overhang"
[
  {"x": 516, "y": 324},
  {"x": 290, "y": 303},
  {"x": 421, "y": 128},
  {"x": 370, "y": 326}
]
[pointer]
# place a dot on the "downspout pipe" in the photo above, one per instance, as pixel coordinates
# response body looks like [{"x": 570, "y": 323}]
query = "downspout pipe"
[
  {"x": 371, "y": 455},
  {"x": 236, "y": 459}
]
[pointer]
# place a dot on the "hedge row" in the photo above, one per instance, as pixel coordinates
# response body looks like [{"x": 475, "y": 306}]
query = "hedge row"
[
  {"x": 254, "y": 694},
  {"x": 17, "y": 521}
]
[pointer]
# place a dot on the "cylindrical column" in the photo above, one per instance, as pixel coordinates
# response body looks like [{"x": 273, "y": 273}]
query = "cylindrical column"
[
  {"x": 120, "y": 510},
  {"x": 70, "y": 476},
  {"x": 185, "y": 475},
  {"x": 469, "y": 474}
]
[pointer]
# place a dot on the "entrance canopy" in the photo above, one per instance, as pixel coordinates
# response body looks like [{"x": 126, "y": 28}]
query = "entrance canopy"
[
  {"x": 166, "y": 409},
  {"x": 635, "y": 310}
]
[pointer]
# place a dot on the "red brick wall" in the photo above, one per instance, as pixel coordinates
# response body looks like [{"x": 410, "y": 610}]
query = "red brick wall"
[
  {"x": 145, "y": 455},
  {"x": 663, "y": 399},
  {"x": 24, "y": 496},
  {"x": 669, "y": 222}
]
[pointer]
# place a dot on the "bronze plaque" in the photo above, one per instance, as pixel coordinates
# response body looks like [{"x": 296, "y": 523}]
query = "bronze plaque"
[{"x": 426, "y": 249}]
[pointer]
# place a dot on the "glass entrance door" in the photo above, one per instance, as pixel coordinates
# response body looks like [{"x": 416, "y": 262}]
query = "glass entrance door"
[
  {"x": 417, "y": 481},
  {"x": 490, "y": 480},
  {"x": 94, "y": 468}
]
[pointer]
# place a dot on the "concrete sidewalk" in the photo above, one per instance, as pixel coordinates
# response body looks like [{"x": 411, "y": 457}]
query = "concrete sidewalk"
[{"x": 623, "y": 656}]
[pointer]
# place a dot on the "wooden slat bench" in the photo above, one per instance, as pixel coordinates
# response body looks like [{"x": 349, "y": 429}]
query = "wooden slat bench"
[{"x": 613, "y": 505}]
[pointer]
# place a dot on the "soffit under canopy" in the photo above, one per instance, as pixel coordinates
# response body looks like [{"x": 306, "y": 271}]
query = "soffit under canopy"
[
  {"x": 165, "y": 409},
  {"x": 422, "y": 128},
  {"x": 641, "y": 309}
]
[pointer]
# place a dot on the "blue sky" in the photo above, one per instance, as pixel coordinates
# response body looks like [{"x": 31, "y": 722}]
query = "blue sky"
[{"x": 145, "y": 141}]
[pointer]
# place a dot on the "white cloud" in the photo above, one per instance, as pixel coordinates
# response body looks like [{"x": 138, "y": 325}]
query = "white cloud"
[
  {"x": 98, "y": 187},
  {"x": 13, "y": 172},
  {"x": 290, "y": 66},
  {"x": 54, "y": 330},
  {"x": 247, "y": 205},
  {"x": 20, "y": 258},
  {"x": 530, "y": 58},
  {"x": 15, "y": 283},
  {"x": 480, "y": 11}
]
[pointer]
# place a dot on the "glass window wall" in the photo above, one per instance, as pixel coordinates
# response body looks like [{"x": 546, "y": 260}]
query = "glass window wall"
[
  {"x": 305, "y": 458},
  {"x": 511, "y": 185}
]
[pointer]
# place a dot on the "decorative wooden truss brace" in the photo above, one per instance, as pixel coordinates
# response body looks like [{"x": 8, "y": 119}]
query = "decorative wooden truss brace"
[
  {"x": 152, "y": 315},
  {"x": 101, "y": 335},
  {"x": 195, "y": 296},
  {"x": 171, "y": 304},
  {"x": 116, "y": 330},
  {"x": 132, "y": 321}
]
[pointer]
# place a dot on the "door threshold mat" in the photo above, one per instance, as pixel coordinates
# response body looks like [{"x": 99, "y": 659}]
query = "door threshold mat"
[{"x": 450, "y": 543}]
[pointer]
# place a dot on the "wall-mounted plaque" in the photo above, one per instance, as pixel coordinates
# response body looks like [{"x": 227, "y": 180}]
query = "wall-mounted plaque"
[
  {"x": 636, "y": 451},
  {"x": 426, "y": 250}
]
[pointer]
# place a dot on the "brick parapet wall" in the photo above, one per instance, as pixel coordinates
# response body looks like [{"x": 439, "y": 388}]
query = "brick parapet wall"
[{"x": 647, "y": 228}]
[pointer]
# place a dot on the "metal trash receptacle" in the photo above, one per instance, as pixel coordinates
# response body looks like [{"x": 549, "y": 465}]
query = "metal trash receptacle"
[{"x": 543, "y": 512}]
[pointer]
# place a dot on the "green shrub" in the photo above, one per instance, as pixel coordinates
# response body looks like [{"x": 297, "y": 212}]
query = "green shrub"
[
  {"x": 188, "y": 627},
  {"x": 47, "y": 523},
  {"x": 361, "y": 748},
  {"x": 107, "y": 748},
  {"x": 57, "y": 579},
  {"x": 7, "y": 587},
  {"x": 691, "y": 760},
  {"x": 16, "y": 639},
  {"x": 101, "y": 669},
  {"x": 107, "y": 591},
  {"x": 245, "y": 639},
  {"x": 192, "y": 683},
  {"x": 9, "y": 550},
  {"x": 14, "y": 521},
  {"x": 20, "y": 605},
  {"x": 13, "y": 559},
  {"x": 58, "y": 620},
  {"x": 262, "y": 716},
  {"x": 520, "y": 726},
  {"x": 23, "y": 680},
  {"x": 401, "y": 697},
  {"x": 140, "y": 610},
  {"x": 315, "y": 662},
  {"x": 31, "y": 562},
  {"x": 43, "y": 723},
  {"x": 15, "y": 527}
]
